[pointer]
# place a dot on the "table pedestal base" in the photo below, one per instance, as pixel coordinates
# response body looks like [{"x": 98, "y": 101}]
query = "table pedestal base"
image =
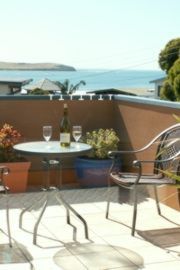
[
  {"x": 52, "y": 191},
  {"x": 48, "y": 191}
]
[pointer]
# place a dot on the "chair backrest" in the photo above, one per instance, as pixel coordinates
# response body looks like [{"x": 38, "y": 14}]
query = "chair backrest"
[{"x": 169, "y": 148}]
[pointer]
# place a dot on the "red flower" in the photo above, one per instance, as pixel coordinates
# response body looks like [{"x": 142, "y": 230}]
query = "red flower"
[{"x": 8, "y": 138}]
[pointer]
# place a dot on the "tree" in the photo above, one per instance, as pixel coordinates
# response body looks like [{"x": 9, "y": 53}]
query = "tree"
[
  {"x": 169, "y": 54},
  {"x": 174, "y": 71},
  {"x": 38, "y": 91},
  {"x": 169, "y": 60},
  {"x": 67, "y": 88},
  {"x": 167, "y": 91},
  {"x": 177, "y": 87},
  {"x": 171, "y": 86}
]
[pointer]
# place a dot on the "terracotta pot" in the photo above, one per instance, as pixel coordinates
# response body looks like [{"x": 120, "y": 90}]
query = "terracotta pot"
[{"x": 17, "y": 178}]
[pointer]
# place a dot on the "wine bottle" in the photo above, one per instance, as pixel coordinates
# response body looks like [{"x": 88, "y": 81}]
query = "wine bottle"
[{"x": 65, "y": 128}]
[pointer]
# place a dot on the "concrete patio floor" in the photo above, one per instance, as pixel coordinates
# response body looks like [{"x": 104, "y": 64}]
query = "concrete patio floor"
[{"x": 110, "y": 244}]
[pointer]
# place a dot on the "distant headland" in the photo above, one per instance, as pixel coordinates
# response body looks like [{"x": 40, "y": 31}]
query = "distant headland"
[{"x": 35, "y": 66}]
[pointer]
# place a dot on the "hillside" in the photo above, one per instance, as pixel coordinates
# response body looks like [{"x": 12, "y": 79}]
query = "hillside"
[{"x": 34, "y": 66}]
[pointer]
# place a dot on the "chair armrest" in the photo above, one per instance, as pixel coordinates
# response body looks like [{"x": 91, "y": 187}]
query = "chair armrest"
[
  {"x": 156, "y": 139},
  {"x": 136, "y": 163},
  {"x": 114, "y": 154},
  {"x": 3, "y": 171}
]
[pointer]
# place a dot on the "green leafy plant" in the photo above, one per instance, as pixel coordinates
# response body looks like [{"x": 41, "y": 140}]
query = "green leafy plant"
[
  {"x": 170, "y": 174},
  {"x": 38, "y": 91},
  {"x": 102, "y": 141},
  {"x": 67, "y": 88},
  {"x": 177, "y": 118},
  {"x": 8, "y": 138}
]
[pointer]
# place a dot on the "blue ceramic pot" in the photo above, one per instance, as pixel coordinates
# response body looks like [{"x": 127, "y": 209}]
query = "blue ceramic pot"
[{"x": 92, "y": 172}]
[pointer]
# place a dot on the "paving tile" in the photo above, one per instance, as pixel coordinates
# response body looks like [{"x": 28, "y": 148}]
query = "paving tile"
[
  {"x": 11, "y": 255},
  {"x": 134, "y": 267},
  {"x": 46, "y": 264},
  {"x": 103, "y": 229},
  {"x": 69, "y": 263},
  {"x": 153, "y": 254},
  {"x": 172, "y": 265},
  {"x": 104, "y": 260},
  {"x": 17, "y": 266},
  {"x": 110, "y": 244},
  {"x": 126, "y": 241},
  {"x": 95, "y": 245}
]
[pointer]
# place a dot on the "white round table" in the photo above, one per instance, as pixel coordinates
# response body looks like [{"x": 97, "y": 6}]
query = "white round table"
[
  {"x": 52, "y": 148},
  {"x": 49, "y": 150}
]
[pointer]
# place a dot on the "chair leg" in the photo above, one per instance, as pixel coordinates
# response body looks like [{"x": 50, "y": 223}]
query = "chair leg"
[
  {"x": 38, "y": 221},
  {"x": 134, "y": 212},
  {"x": 107, "y": 208},
  {"x": 8, "y": 222},
  {"x": 157, "y": 200},
  {"x": 108, "y": 199},
  {"x": 178, "y": 190}
]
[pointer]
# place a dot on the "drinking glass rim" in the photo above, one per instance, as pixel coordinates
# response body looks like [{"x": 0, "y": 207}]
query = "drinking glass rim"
[
  {"x": 75, "y": 126},
  {"x": 47, "y": 126}
]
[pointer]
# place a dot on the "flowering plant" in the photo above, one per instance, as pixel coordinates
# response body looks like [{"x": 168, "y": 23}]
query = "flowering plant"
[
  {"x": 8, "y": 138},
  {"x": 102, "y": 141}
]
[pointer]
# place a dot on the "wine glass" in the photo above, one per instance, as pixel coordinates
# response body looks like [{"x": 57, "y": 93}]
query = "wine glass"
[
  {"x": 77, "y": 132},
  {"x": 47, "y": 133}
]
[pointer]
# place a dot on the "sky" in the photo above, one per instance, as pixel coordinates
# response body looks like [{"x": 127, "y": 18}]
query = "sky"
[{"x": 99, "y": 34}]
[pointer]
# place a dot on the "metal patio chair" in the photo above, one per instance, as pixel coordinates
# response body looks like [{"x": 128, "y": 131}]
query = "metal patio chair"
[
  {"x": 167, "y": 158},
  {"x": 4, "y": 190}
]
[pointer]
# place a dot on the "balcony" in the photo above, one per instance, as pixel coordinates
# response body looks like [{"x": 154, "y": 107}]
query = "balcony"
[{"x": 136, "y": 120}]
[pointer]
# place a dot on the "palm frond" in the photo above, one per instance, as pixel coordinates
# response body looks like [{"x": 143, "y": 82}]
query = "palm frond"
[
  {"x": 177, "y": 118},
  {"x": 170, "y": 174}
]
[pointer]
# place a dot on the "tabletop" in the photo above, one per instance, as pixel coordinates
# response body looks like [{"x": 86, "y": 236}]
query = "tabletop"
[{"x": 52, "y": 147}]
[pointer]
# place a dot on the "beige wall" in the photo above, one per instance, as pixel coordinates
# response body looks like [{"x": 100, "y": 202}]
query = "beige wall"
[
  {"x": 28, "y": 116},
  {"x": 4, "y": 89},
  {"x": 136, "y": 123},
  {"x": 139, "y": 123}
]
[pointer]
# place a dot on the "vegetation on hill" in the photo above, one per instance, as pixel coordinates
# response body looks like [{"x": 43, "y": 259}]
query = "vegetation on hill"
[{"x": 34, "y": 66}]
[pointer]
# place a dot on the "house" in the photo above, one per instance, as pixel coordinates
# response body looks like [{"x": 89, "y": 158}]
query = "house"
[
  {"x": 143, "y": 92},
  {"x": 158, "y": 84},
  {"x": 45, "y": 85},
  {"x": 110, "y": 91},
  {"x": 12, "y": 86}
]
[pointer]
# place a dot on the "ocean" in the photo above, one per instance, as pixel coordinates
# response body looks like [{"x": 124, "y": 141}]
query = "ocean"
[{"x": 95, "y": 79}]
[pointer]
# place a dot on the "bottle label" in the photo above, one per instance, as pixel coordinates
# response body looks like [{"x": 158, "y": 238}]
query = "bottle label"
[{"x": 65, "y": 137}]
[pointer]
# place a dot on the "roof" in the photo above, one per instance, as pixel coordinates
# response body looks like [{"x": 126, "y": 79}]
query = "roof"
[
  {"x": 111, "y": 91},
  {"x": 158, "y": 80},
  {"x": 15, "y": 81},
  {"x": 44, "y": 84}
]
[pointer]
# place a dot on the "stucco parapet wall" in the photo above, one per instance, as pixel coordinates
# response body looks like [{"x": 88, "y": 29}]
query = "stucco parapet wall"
[
  {"x": 139, "y": 100},
  {"x": 148, "y": 101},
  {"x": 57, "y": 97}
]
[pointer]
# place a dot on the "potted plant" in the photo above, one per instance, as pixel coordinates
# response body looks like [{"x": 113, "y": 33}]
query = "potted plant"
[
  {"x": 92, "y": 170},
  {"x": 16, "y": 180}
]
